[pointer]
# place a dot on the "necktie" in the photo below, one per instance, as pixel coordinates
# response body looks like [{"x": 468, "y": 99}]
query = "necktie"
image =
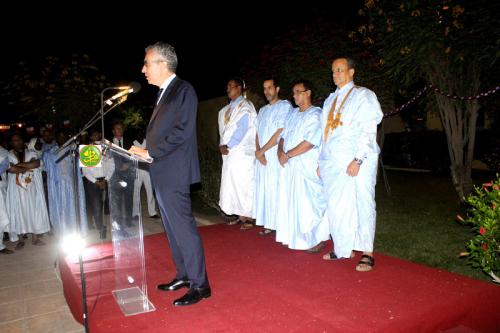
[
  {"x": 120, "y": 142},
  {"x": 158, "y": 95}
]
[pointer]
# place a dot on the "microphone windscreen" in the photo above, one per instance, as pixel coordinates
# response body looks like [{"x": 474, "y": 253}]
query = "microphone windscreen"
[{"x": 135, "y": 86}]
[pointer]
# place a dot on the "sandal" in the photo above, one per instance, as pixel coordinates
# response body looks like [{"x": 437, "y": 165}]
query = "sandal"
[
  {"x": 366, "y": 263},
  {"x": 330, "y": 256},
  {"x": 265, "y": 232},
  {"x": 234, "y": 222},
  {"x": 6, "y": 251},
  {"x": 333, "y": 256},
  {"x": 246, "y": 226},
  {"x": 19, "y": 245},
  {"x": 316, "y": 248},
  {"x": 38, "y": 242}
]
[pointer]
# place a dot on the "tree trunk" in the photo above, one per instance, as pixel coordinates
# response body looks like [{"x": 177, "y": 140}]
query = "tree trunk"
[{"x": 459, "y": 122}]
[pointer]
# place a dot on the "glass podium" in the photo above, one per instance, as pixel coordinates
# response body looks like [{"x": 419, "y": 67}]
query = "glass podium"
[{"x": 126, "y": 232}]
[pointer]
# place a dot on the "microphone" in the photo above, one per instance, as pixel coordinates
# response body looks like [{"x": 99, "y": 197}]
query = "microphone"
[{"x": 132, "y": 88}]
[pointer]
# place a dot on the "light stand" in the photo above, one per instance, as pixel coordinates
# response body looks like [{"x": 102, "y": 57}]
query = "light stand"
[
  {"x": 102, "y": 106},
  {"x": 133, "y": 87}
]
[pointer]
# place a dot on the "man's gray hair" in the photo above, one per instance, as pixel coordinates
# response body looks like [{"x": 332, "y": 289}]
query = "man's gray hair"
[
  {"x": 166, "y": 52},
  {"x": 351, "y": 63}
]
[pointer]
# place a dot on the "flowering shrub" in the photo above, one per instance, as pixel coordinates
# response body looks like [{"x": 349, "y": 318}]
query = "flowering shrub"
[{"x": 484, "y": 216}]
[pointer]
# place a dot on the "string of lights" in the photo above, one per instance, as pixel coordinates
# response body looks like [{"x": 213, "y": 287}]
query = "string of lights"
[{"x": 431, "y": 87}]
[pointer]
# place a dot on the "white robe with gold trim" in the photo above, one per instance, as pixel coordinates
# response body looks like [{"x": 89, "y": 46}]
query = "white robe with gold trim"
[
  {"x": 238, "y": 167},
  {"x": 351, "y": 200}
]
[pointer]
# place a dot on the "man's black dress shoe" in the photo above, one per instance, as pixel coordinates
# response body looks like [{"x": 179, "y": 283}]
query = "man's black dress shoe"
[
  {"x": 174, "y": 284},
  {"x": 193, "y": 296}
]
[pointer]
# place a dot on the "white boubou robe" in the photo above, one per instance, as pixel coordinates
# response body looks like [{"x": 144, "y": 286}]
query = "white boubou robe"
[
  {"x": 26, "y": 205},
  {"x": 4, "y": 217},
  {"x": 351, "y": 200},
  {"x": 238, "y": 167},
  {"x": 62, "y": 195},
  {"x": 271, "y": 117},
  {"x": 301, "y": 204}
]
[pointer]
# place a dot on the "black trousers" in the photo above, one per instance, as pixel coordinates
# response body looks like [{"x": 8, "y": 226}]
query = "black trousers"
[
  {"x": 95, "y": 201},
  {"x": 182, "y": 232}
]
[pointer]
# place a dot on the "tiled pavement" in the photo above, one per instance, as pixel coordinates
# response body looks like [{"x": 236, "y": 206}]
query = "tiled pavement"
[{"x": 31, "y": 295}]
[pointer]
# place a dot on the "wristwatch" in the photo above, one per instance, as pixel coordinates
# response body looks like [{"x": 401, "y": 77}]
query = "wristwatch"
[{"x": 358, "y": 161}]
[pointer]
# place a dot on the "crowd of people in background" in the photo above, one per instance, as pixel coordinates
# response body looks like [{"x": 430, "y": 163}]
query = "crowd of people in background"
[{"x": 44, "y": 191}]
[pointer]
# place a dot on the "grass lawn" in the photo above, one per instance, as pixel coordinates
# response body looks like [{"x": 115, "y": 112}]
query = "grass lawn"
[{"x": 417, "y": 222}]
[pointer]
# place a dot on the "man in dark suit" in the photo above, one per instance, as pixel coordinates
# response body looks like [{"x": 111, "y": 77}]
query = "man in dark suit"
[{"x": 171, "y": 141}]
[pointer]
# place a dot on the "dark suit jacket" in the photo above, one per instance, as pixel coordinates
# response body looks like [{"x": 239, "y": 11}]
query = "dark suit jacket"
[
  {"x": 171, "y": 135},
  {"x": 127, "y": 143},
  {"x": 124, "y": 168}
]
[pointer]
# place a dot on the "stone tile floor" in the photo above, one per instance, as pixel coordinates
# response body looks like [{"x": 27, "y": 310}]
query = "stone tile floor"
[{"x": 31, "y": 295}]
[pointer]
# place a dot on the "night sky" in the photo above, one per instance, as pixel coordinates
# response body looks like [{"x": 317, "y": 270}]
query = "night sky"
[{"x": 211, "y": 40}]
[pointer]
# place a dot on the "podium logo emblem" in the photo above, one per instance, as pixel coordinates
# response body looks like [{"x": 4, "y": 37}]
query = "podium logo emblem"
[{"x": 90, "y": 156}]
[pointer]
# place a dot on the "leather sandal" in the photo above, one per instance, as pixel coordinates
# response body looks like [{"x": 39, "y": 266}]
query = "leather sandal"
[
  {"x": 246, "y": 226},
  {"x": 38, "y": 242},
  {"x": 265, "y": 232},
  {"x": 366, "y": 263},
  {"x": 330, "y": 256},
  {"x": 315, "y": 249},
  {"x": 6, "y": 251},
  {"x": 234, "y": 222}
]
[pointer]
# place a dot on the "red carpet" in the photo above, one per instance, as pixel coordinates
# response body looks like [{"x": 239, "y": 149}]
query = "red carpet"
[{"x": 259, "y": 285}]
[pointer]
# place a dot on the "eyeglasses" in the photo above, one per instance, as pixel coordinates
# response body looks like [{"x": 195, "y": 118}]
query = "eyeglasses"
[
  {"x": 296, "y": 92},
  {"x": 148, "y": 63},
  {"x": 340, "y": 70}
]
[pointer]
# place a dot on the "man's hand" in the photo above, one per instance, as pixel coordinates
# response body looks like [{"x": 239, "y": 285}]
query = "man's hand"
[
  {"x": 353, "y": 169},
  {"x": 259, "y": 155},
  {"x": 16, "y": 169},
  {"x": 282, "y": 158},
  {"x": 262, "y": 160},
  {"x": 224, "y": 150}
]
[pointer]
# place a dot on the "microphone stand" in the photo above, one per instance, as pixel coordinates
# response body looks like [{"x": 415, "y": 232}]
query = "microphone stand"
[
  {"x": 92, "y": 121},
  {"x": 74, "y": 148},
  {"x": 102, "y": 109},
  {"x": 119, "y": 98}
]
